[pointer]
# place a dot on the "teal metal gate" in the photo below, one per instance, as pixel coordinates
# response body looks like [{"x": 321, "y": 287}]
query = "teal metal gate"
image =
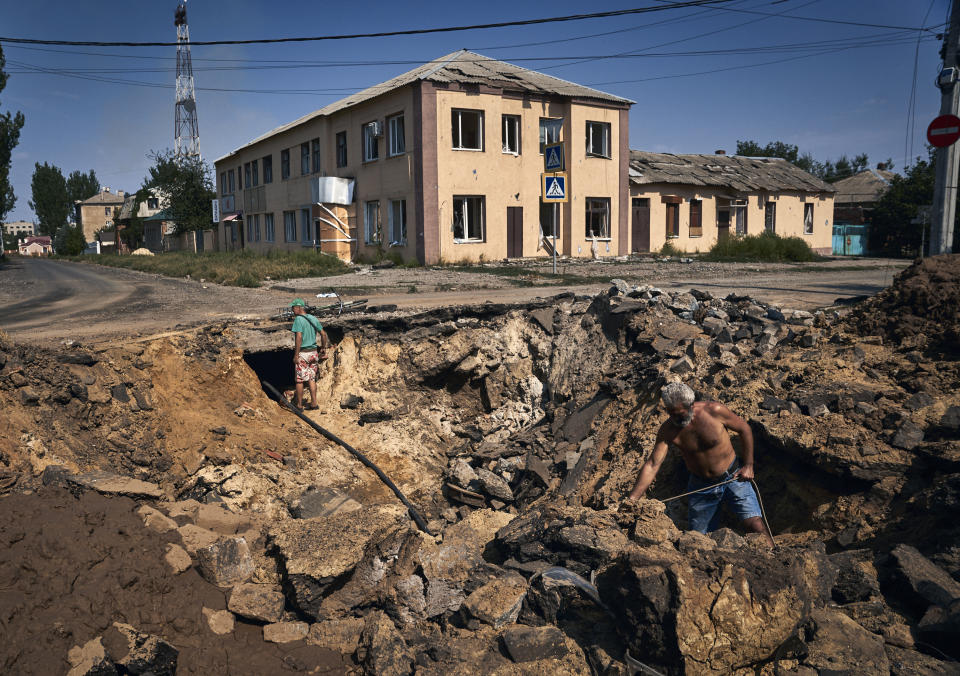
[{"x": 849, "y": 240}]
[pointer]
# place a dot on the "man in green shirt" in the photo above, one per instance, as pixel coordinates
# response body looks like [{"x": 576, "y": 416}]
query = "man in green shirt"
[{"x": 306, "y": 358}]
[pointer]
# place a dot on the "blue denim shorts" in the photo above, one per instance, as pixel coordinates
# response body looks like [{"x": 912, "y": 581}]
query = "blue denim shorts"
[{"x": 739, "y": 496}]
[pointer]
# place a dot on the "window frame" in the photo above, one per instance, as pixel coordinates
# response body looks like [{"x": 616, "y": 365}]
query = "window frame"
[
  {"x": 315, "y": 157},
  {"x": 394, "y": 149},
  {"x": 372, "y": 234},
  {"x": 231, "y": 182},
  {"x": 255, "y": 166},
  {"x": 589, "y": 204},
  {"x": 284, "y": 164},
  {"x": 223, "y": 183},
  {"x": 268, "y": 169},
  {"x": 392, "y": 225},
  {"x": 246, "y": 175},
  {"x": 306, "y": 227},
  {"x": 290, "y": 226},
  {"x": 672, "y": 230},
  {"x": 465, "y": 200},
  {"x": 699, "y": 219},
  {"x": 341, "y": 142},
  {"x": 604, "y": 128},
  {"x": 456, "y": 129},
  {"x": 269, "y": 232},
  {"x": 505, "y": 135},
  {"x": 770, "y": 216},
  {"x": 305, "y": 158},
  {"x": 371, "y": 142},
  {"x": 807, "y": 206},
  {"x": 555, "y": 208},
  {"x": 546, "y": 124}
]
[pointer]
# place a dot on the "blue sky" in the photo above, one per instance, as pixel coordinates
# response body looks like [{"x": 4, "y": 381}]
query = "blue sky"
[{"x": 826, "y": 91}]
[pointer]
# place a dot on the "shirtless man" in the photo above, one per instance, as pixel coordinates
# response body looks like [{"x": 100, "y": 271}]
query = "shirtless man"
[{"x": 699, "y": 430}]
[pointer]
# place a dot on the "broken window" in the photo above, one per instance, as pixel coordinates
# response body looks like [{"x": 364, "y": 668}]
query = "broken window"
[
  {"x": 397, "y": 217},
  {"x": 268, "y": 233},
  {"x": 289, "y": 226},
  {"x": 808, "y": 219},
  {"x": 549, "y": 131},
  {"x": 739, "y": 209},
  {"x": 371, "y": 141},
  {"x": 770, "y": 216},
  {"x": 696, "y": 218},
  {"x": 397, "y": 142},
  {"x": 315, "y": 154},
  {"x": 598, "y": 217},
  {"x": 468, "y": 130},
  {"x": 268, "y": 169},
  {"x": 549, "y": 219},
  {"x": 341, "y": 148},
  {"x": 304, "y": 159},
  {"x": 154, "y": 203},
  {"x": 285, "y": 164},
  {"x": 468, "y": 218},
  {"x": 598, "y": 139},
  {"x": 371, "y": 221},
  {"x": 511, "y": 134}
]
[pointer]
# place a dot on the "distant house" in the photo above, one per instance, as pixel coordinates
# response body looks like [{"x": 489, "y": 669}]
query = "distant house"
[
  {"x": 692, "y": 201},
  {"x": 158, "y": 230},
  {"x": 20, "y": 229},
  {"x": 858, "y": 194},
  {"x": 147, "y": 208},
  {"x": 98, "y": 212},
  {"x": 36, "y": 246}
]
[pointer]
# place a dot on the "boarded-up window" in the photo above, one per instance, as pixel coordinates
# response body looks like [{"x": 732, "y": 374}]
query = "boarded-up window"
[{"x": 696, "y": 218}]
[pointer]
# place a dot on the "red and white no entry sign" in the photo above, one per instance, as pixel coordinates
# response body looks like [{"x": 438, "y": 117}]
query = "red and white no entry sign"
[{"x": 944, "y": 131}]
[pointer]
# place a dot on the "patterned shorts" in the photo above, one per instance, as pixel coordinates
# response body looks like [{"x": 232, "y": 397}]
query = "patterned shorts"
[{"x": 307, "y": 367}]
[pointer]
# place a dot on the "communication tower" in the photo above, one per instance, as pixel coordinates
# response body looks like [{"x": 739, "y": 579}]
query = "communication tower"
[{"x": 186, "y": 130}]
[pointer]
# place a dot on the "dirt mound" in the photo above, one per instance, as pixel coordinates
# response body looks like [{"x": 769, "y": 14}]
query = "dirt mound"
[{"x": 920, "y": 309}]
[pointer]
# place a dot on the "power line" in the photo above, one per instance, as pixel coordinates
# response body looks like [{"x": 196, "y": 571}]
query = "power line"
[
  {"x": 912, "y": 104},
  {"x": 383, "y": 34}
]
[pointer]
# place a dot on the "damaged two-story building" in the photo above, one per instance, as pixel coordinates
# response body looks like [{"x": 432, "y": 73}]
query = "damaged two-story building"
[{"x": 443, "y": 162}]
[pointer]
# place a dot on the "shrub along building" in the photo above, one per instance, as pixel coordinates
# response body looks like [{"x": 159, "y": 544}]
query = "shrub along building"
[
  {"x": 691, "y": 201},
  {"x": 444, "y": 162}
]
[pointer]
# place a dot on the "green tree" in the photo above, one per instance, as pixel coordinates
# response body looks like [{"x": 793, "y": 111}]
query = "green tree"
[
  {"x": 185, "y": 188},
  {"x": 51, "y": 202},
  {"x": 892, "y": 232},
  {"x": 829, "y": 171},
  {"x": 69, "y": 240},
  {"x": 81, "y": 186},
  {"x": 10, "y": 126}
]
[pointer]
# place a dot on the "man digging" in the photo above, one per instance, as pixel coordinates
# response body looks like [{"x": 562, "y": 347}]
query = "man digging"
[
  {"x": 306, "y": 359},
  {"x": 699, "y": 430}
]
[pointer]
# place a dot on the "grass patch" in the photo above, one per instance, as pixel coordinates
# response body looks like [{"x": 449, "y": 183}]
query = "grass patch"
[
  {"x": 765, "y": 247},
  {"x": 233, "y": 268},
  {"x": 668, "y": 249}
]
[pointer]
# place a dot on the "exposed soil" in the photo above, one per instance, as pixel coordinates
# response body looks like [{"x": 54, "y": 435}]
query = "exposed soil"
[{"x": 516, "y": 430}]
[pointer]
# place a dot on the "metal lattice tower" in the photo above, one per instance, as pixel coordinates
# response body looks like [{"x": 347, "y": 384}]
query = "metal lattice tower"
[{"x": 186, "y": 129}]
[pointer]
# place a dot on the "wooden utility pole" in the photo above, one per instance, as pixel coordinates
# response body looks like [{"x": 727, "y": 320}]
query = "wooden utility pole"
[{"x": 945, "y": 189}]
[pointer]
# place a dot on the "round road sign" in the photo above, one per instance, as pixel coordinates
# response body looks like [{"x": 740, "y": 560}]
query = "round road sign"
[{"x": 944, "y": 131}]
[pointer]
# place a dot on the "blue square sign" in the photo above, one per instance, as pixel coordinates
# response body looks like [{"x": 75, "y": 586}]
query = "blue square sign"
[
  {"x": 553, "y": 157},
  {"x": 554, "y": 188}
]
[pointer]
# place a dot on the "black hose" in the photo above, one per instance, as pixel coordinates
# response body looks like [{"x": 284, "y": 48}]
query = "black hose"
[{"x": 414, "y": 514}]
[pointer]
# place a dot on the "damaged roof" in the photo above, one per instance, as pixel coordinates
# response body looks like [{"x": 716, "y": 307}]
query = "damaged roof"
[
  {"x": 867, "y": 186},
  {"x": 465, "y": 68},
  {"x": 735, "y": 172}
]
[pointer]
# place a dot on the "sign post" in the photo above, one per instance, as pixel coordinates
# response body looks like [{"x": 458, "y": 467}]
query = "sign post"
[
  {"x": 553, "y": 159},
  {"x": 216, "y": 210}
]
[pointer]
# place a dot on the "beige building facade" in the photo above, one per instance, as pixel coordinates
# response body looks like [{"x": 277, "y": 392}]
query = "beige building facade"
[
  {"x": 99, "y": 211},
  {"x": 446, "y": 164},
  {"x": 691, "y": 201},
  {"x": 20, "y": 228}
]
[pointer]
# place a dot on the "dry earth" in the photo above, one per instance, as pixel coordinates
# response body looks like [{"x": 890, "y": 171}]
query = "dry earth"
[{"x": 160, "y": 513}]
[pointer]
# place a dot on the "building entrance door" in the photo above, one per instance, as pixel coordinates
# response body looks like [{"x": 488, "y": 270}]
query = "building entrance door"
[
  {"x": 640, "y": 236},
  {"x": 723, "y": 224},
  {"x": 514, "y": 232}
]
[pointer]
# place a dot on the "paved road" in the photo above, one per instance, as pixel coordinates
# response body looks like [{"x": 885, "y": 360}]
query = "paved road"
[{"x": 50, "y": 301}]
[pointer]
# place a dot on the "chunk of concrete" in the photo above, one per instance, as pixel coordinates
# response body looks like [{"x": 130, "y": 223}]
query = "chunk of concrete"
[
  {"x": 194, "y": 537},
  {"x": 177, "y": 558},
  {"x": 220, "y": 622},
  {"x": 494, "y": 485},
  {"x": 90, "y": 660},
  {"x": 529, "y": 644},
  {"x": 498, "y": 602},
  {"x": 285, "y": 632},
  {"x": 385, "y": 653},
  {"x": 342, "y": 635},
  {"x": 115, "y": 484},
  {"x": 144, "y": 653},
  {"x": 925, "y": 582},
  {"x": 260, "y": 602},
  {"x": 156, "y": 520},
  {"x": 226, "y": 561}
]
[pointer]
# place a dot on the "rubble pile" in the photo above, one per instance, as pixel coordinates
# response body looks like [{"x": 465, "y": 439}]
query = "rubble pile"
[{"x": 516, "y": 431}]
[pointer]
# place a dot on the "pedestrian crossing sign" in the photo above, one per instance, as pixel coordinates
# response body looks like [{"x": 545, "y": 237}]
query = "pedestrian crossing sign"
[
  {"x": 554, "y": 187},
  {"x": 553, "y": 157}
]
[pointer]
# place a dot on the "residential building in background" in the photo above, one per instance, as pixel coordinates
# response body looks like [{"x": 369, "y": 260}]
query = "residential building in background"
[
  {"x": 446, "y": 163},
  {"x": 98, "y": 211},
  {"x": 691, "y": 201},
  {"x": 36, "y": 246},
  {"x": 853, "y": 209},
  {"x": 20, "y": 228}
]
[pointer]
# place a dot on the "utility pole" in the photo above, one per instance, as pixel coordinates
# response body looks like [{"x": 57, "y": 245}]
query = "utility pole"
[{"x": 945, "y": 189}]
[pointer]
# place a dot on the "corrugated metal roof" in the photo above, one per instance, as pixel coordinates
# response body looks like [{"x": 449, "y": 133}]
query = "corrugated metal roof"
[
  {"x": 738, "y": 173},
  {"x": 865, "y": 187},
  {"x": 461, "y": 67}
]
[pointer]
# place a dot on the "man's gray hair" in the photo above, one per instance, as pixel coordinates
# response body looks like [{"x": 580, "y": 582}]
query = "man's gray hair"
[{"x": 677, "y": 394}]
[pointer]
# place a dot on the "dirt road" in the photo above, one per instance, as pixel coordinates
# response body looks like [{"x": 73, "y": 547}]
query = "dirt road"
[{"x": 51, "y": 301}]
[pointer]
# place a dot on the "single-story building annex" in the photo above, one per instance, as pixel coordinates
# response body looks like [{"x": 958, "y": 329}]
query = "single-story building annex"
[
  {"x": 443, "y": 162},
  {"x": 693, "y": 200},
  {"x": 36, "y": 246}
]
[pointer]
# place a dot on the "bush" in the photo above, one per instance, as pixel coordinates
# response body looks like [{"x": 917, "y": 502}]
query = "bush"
[
  {"x": 668, "y": 249},
  {"x": 765, "y": 247}
]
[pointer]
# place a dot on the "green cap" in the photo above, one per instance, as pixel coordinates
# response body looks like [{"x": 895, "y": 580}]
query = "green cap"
[{"x": 298, "y": 302}]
